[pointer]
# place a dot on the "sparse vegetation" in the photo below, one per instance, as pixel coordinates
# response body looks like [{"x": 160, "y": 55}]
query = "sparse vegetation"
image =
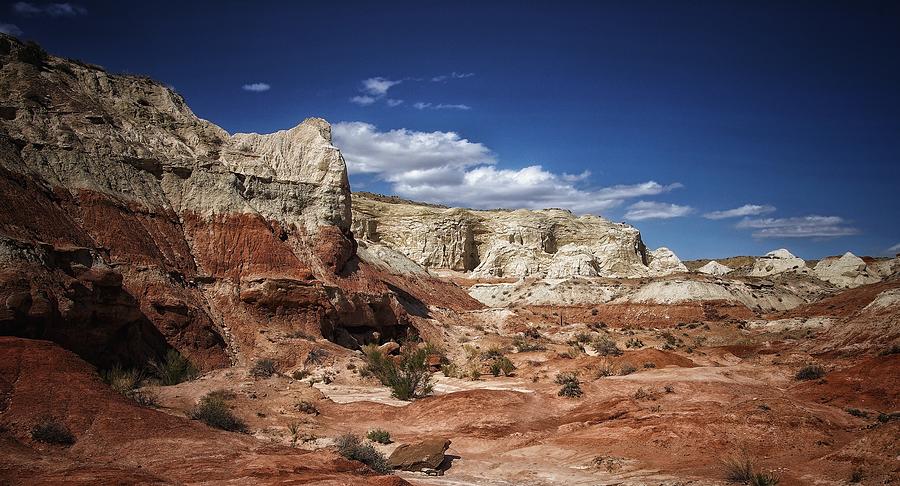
[
  {"x": 306, "y": 407},
  {"x": 742, "y": 470},
  {"x": 605, "y": 346},
  {"x": 263, "y": 368},
  {"x": 408, "y": 379},
  {"x": 634, "y": 343},
  {"x": 316, "y": 356},
  {"x": 810, "y": 372},
  {"x": 605, "y": 369},
  {"x": 32, "y": 53},
  {"x": 856, "y": 476},
  {"x": 173, "y": 369},
  {"x": 857, "y": 412},
  {"x": 351, "y": 447},
  {"x": 379, "y": 435},
  {"x": 626, "y": 368},
  {"x": 122, "y": 380},
  {"x": 212, "y": 409},
  {"x": 52, "y": 431},
  {"x": 294, "y": 429},
  {"x": 523, "y": 345},
  {"x": 300, "y": 374},
  {"x": 571, "y": 387}
]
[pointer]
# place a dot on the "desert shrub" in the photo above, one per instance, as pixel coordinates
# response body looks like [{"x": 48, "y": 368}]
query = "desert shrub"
[
  {"x": 173, "y": 369},
  {"x": 450, "y": 370},
  {"x": 810, "y": 372},
  {"x": 857, "y": 413},
  {"x": 32, "y": 53},
  {"x": 523, "y": 345},
  {"x": 742, "y": 470},
  {"x": 571, "y": 387},
  {"x": 649, "y": 364},
  {"x": 492, "y": 354},
  {"x": 294, "y": 429},
  {"x": 894, "y": 349},
  {"x": 351, "y": 447},
  {"x": 263, "y": 368},
  {"x": 669, "y": 389},
  {"x": 144, "y": 398},
  {"x": 605, "y": 346},
  {"x": 408, "y": 379},
  {"x": 626, "y": 368},
  {"x": 605, "y": 369},
  {"x": 316, "y": 356},
  {"x": 379, "y": 435},
  {"x": 634, "y": 343},
  {"x": 306, "y": 407},
  {"x": 212, "y": 409},
  {"x": 52, "y": 431},
  {"x": 300, "y": 374},
  {"x": 122, "y": 380}
]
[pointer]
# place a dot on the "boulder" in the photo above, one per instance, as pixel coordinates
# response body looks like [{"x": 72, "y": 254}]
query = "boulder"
[{"x": 428, "y": 454}]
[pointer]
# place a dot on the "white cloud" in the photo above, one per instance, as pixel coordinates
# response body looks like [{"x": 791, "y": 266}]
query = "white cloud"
[
  {"x": 256, "y": 87},
  {"x": 392, "y": 102},
  {"x": 894, "y": 249},
  {"x": 642, "y": 210},
  {"x": 11, "y": 29},
  {"x": 745, "y": 210},
  {"x": 443, "y": 167},
  {"x": 51, "y": 9},
  {"x": 431, "y": 106},
  {"x": 362, "y": 100},
  {"x": 453, "y": 75},
  {"x": 798, "y": 227},
  {"x": 378, "y": 86}
]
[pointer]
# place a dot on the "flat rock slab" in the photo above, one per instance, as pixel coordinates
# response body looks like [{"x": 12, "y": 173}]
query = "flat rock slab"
[{"x": 428, "y": 454}]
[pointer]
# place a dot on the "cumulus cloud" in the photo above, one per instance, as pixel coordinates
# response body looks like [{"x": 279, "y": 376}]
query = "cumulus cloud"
[
  {"x": 798, "y": 227},
  {"x": 256, "y": 87},
  {"x": 453, "y": 75},
  {"x": 441, "y": 106},
  {"x": 51, "y": 9},
  {"x": 642, "y": 210},
  {"x": 745, "y": 210},
  {"x": 10, "y": 29},
  {"x": 443, "y": 167}
]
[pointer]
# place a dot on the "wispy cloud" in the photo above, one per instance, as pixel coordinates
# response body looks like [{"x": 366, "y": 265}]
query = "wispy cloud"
[
  {"x": 256, "y": 87},
  {"x": 362, "y": 100},
  {"x": 799, "y": 227},
  {"x": 392, "y": 102},
  {"x": 894, "y": 249},
  {"x": 453, "y": 75},
  {"x": 11, "y": 29},
  {"x": 443, "y": 167},
  {"x": 51, "y": 9},
  {"x": 440, "y": 106},
  {"x": 745, "y": 210},
  {"x": 642, "y": 210},
  {"x": 378, "y": 86}
]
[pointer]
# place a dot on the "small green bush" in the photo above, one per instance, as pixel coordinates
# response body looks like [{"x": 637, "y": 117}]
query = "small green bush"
[
  {"x": 408, "y": 379},
  {"x": 571, "y": 387},
  {"x": 523, "y": 345},
  {"x": 634, "y": 343},
  {"x": 380, "y": 436},
  {"x": 174, "y": 369},
  {"x": 212, "y": 409},
  {"x": 810, "y": 372},
  {"x": 351, "y": 447},
  {"x": 605, "y": 346},
  {"x": 263, "y": 368},
  {"x": 52, "y": 431}
]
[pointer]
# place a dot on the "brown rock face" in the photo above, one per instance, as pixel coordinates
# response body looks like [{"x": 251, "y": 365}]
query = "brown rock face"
[
  {"x": 126, "y": 219},
  {"x": 428, "y": 454}
]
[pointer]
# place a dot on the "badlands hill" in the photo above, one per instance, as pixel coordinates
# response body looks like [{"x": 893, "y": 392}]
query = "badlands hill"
[{"x": 560, "y": 350}]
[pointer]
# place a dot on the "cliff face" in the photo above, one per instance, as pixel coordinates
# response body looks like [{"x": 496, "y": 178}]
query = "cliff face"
[
  {"x": 122, "y": 213},
  {"x": 552, "y": 243}
]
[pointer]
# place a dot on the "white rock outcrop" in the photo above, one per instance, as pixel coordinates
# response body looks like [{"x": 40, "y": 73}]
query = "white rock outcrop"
[
  {"x": 848, "y": 270},
  {"x": 551, "y": 243},
  {"x": 778, "y": 261},
  {"x": 714, "y": 268}
]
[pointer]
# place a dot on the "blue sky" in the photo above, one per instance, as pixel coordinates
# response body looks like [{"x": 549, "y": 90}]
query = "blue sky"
[{"x": 717, "y": 128}]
